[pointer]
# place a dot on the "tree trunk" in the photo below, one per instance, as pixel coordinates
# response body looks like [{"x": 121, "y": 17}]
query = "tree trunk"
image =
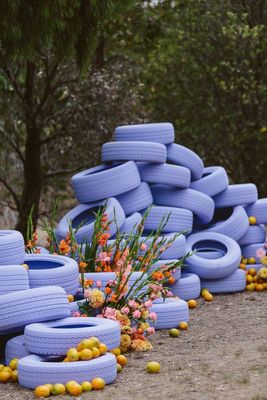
[{"x": 32, "y": 186}]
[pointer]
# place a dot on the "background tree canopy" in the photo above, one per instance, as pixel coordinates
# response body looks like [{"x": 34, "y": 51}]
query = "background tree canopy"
[{"x": 201, "y": 65}]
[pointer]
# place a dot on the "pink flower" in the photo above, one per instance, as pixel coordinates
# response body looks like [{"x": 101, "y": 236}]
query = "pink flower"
[
  {"x": 169, "y": 294},
  {"x": 260, "y": 252},
  {"x": 103, "y": 256},
  {"x": 120, "y": 263},
  {"x": 76, "y": 314},
  {"x": 148, "y": 304},
  {"x": 143, "y": 246},
  {"x": 153, "y": 316},
  {"x": 125, "y": 310},
  {"x": 86, "y": 294},
  {"x": 98, "y": 284},
  {"x": 150, "y": 330},
  {"x": 132, "y": 304},
  {"x": 100, "y": 316},
  {"x": 137, "y": 314}
]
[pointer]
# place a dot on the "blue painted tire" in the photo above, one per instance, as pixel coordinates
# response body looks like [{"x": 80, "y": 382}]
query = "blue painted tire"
[
  {"x": 131, "y": 223},
  {"x": 135, "y": 151},
  {"x": 42, "y": 250},
  {"x": 85, "y": 212},
  {"x": 179, "y": 219},
  {"x": 236, "y": 282},
  {"x": 257, "y": 267},
  {"x": 235, "y": 195},
  {"x": 53, "y": 270},
  {"x": 166, "y": 174},
  {"x": 213, "y": 181},
  {"x": 210, "y": 255},
  {"x": 162, "y": 132},
  {"x": 15, "y": 348},
  {"x": 57, "y": 337},
  {"x": 254, "y": 234},
  {"x": 35, "y": 370},
  {"x": 170, "y": 312},
  {"x": 19, "y": 309},
  {"x": 175, "y": 251},
  {"x": 258, "y": 210},
  {"x": 12, "y": 248},
  {"x": 250, "y": 250},
  {"x": 187, "y": 287},
  {"x": 199, "y": 203},
  {"x": 137, "y": 199},
  {"x": 105, "y": 181},
  {"x": 214, "y": 268},
  {"x": 185, "y": 157},
  {"x": 13, "y": 278},
  {"x": 235, "y": 224}
]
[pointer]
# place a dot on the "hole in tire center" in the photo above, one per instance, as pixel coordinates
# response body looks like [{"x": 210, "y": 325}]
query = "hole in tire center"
[
  {"x": 209, "y": 245},
  {"x": 85, "y": 218},
  {"x": 206, "y": 174},
  {"x": 100, "y": 168},
  {"x": 74, "y": 326},
  {"x": 42, "y": 264}
]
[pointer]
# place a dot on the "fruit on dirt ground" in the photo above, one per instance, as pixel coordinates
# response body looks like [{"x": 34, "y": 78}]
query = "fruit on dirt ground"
[
  {"x": 4, "y": 376},
  {"x": 73, "y": 354},
  {"x": 57, "y": 389},
  {"x": 252, "y": 220},
  {"x": 7, "y": 369},
  {"x": 192, "y": 303},
  {"x": 183, "y": 325},
  {"x": 259, "y": 287},
  {"x": 208, "y": 296},
  {"x": 87, "y": 386},
  {"x": 250, "y": 287},
  {"x": 75, "y": 389},
  {"x": 98, "y": 384},
  {"x": 153, "y": 367},
  {"x": 122, "y": 360},
  {"x": 119, "y": 368},
  {"x": 42, "y": 391},
  {"x": 174, "y": 332},
  {"x": 69, "y": 384},
  {"x": 14, "y": 363},
  {"x": 14, "y": 375}
]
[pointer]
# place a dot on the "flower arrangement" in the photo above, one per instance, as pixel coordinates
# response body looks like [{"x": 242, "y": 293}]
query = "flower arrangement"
[{"x": 122, "y": 298}]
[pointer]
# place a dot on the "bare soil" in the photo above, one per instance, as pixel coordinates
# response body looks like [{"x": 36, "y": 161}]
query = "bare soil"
[{"x": 222, "y": 356}]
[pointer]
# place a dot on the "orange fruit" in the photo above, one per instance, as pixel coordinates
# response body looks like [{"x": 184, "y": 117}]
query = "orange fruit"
[
  {"x": 73, "y": 354},
  {"x": 208, "y": 296},
  {"x": 75, "y": 389},
  {"x": 122, "y": 360},
  {"x": 86, "y": 344},
  {"x": 252, "y": 271},
  {"x": 14, "y": 363},
  {"x": 244, "y": 260},
  {"x": 103, "y": 348},
  {"x": 96, "y": 352},
  {"x": 1, "y": 366},
  {"x": 14, "y": 375},
  {"x": 250, "y": 287},
  {"x": 7, "y": 369},
  {"x": 98, "y": 384},
  {"x": 42, "y": 391},
  {"x": 70, "y": 383},
  {"x": 86, "y": 354},
  {"x": 86, "y": 386},
  {"x": 119, "y": 368},
  {"x": 25, "y": 266},
  {"x": 252, "y": 220},
  {"x": 70, "y": 298},
  {"x": 95, "y": 341},
  {"x": 153, "y": 367},
  {"x": 265, "y": 285},
  {"x": 192, "y": 303},
  {"x": 116, "y": 351},
  {"x": 251, "y": 260},
  {"x": 183, "y": 325},
  {"x": 4, "y": 376},
  {"x": 57, "y": 389},
  {"x": 249, "y": 278},
  {"x": 259, "y": 287},
  {"x": 174, "y": 332},
  {"x": 49, "y": 385},
  {"x": 242, "y": 266}
]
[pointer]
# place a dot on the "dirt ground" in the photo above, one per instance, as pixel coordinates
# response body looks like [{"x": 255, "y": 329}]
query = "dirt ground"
[{"x": 222, "y": 356}]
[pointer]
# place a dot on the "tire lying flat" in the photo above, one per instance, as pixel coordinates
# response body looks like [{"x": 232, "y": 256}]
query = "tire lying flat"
[
  {"x": 162, "y": 132},
  {"x": 12, "y": 248},
  {"x": 236, "y": 282}
]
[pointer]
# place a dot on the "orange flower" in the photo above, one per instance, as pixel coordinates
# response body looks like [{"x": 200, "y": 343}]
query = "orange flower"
[
  {"x": 30, "y": 244},
  {"x": 98, "y": 269},
  {"x": 82, "y": 264},
  {"x": 103, "y": 239},
  {"x": 171, "y": 280},
  {"x": 35, "y": 237},
  {"x": 113, "y": 297},
  {"x": 167, "y": 274},
  {"x": 64, "y": 247},
  {"x": 158, "y": 276},
  {"x": 108, "y": 290}
]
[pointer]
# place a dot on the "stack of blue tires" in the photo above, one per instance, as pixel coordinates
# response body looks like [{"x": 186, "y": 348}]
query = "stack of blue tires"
[{"x": 144, "y": 167}]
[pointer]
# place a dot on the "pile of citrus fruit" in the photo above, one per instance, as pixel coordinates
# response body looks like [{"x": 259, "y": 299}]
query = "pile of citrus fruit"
[
  {"x": 71, "y": 387},
  {"x": 86, "y": 350},
  {"x": 9, "y": 372}
]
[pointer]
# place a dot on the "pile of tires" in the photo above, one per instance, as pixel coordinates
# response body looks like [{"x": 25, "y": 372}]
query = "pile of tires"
[{"x": 144, "y": 167}]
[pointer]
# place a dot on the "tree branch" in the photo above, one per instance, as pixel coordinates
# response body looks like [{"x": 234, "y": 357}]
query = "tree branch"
[
  {"x": 11, "y": 191},
  {"x": 14, "y": 146}
]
